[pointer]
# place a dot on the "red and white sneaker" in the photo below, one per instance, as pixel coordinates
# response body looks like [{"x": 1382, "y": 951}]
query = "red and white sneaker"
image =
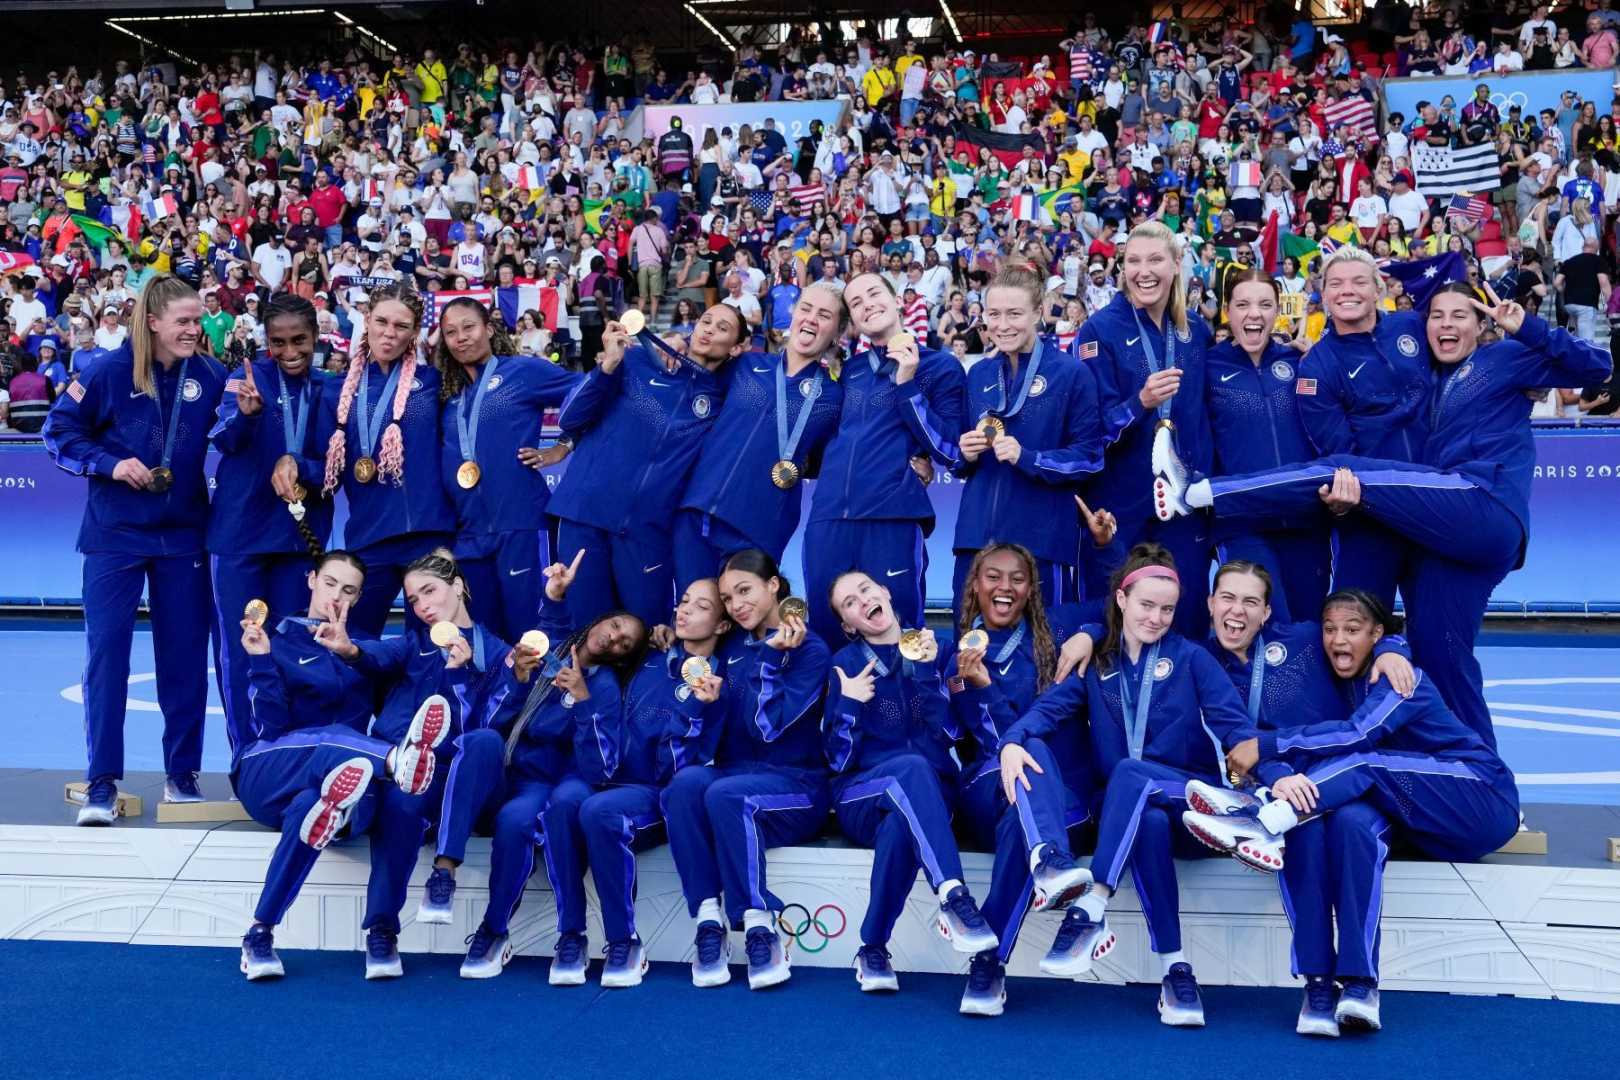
[
  {"x": 1168, "y": 501},
  {"x": 414, "y": 760},
  {"x": 1240, "y": 835},
  {"x": 1211, "y": 799},
  {"x": 340, "y": 790}
]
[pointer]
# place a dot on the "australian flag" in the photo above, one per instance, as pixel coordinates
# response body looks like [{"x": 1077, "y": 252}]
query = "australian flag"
[{"x": 1422, "y": 278}]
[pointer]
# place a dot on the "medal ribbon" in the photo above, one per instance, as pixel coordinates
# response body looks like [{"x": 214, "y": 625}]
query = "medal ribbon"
[
  {"x": 467, "y": 430},
  {"x": 1153, "y": 354},
  {"x": 172, "y": 428},
  {"x": 294, "y": 423},
  {"x": 371, "y": 428},
  {"x": 787, "y": 443},
  {"x": 1028, "y": 380},
  {"x": 1257, "y": 677},
  {"x": 1136, "y": 721}
]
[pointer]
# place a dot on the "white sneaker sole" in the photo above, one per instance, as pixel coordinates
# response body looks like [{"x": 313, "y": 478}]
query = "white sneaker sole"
[
  {"x": 393, "y": 970},
  {"x": 1081, "y": 965},
  {"x": 340, "y": 790},
  {"x": 1171, "y": 1018},
  {"x": 489, "y": 969},
  {"x": 969, "y": 946},
  {"x": 624, "y": 980},
  {"x": 717, "y": 977},
  {"x": 1206, "y": 799},
  {"x": 434, "y": 916},
  {"x": 415, "y": 762},
  {"x": 1247, "y": 852},
  {"x": 1328, "y": 1029},
  {"x": 1065, "y": 895},
  {"x": 983, "y": 1008},
  {"x": 560, "y": 977},
  {"x": 255, "y": 971},
  {"x": 96, "y": 815}
]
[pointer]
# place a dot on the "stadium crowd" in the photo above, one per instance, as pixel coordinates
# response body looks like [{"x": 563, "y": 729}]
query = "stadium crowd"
[{"x": 469, "y": 167}]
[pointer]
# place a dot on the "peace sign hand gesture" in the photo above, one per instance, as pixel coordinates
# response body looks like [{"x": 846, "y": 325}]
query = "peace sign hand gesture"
[
  {"x": 1508, "y": 315},
  {"x": 249, "y": 402},
  {"x": 334, "y": 633}
]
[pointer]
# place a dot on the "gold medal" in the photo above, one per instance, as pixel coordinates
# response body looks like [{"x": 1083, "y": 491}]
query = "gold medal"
[
  {"x": 1166, "y": 423},
  {"x": 900, "y": 341},
  {"x": 913, "y": 645},
  {"x": 444, "y": 634},
  {"x": 695, "y": 669},
  {"x": 256, "y": 612},
  {"x": 536, "y": 642},
  {"x": 992, "y": 428},
  {"x": 784, "y": 474},
  {"x": 793, "y": 608},
  {"x": 468, "y": 475},
  {"x": 298, "y": 494},
  {"x": 975, "y": 641},
  {"x": 162, "y": 479},
  {"x": 365, "y": 470},
  {"x": 633, "y": 321}
]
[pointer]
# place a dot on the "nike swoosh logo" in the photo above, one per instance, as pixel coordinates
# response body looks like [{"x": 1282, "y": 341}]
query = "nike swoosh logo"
[
  {"x": 1132, "y": 341},
  {"x": 1108, "y": 676},
  {"x": 1358, "y": 368},
  {"x": 893, "y": 573},
  {"x": 650, "y": 569},
  {"x": 1229, "y": 376},
  {"x": 137, "y": 393},
  {"x": 991, "y": 387},
  {"x": 430, "y": 652},
  {"x": 307, "y": 660},
  {"x": 1007, "y": 668},
  {"x": 196, "y": 566},
  {"x": 515, "y": 573},
  {"x": 761, "y": 370},
  {"x": 655, "y": 382}
]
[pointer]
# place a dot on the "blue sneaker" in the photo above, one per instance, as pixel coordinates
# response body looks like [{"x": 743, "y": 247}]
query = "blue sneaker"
[
  {"x": 487, "y": 953},
  {"x": 1078, "y": 944},
  {"x": 100, "y": 803},
  {"x": 382, "y": 954},
  {"x": 626, "y": 963},
  {"x": 960, "y": 923},
  {"x": 436, "y": 897},
  {"x": 259, "y": 959},
  {"x": 182, "y": 788},
  {"x": 986, "y": 992},
  {"x": 1316, "y": 1011},
  {"x": 873, "y": 970},
  {"x": 767, "y": 958},
  {"x": 1358, "y": 1005},
  {"x": 1059, "y": 881},
  {"x": 1179, "y": 1003},
  {"x": 711, "y": 958},
  {"x": 570, "y": 961}
]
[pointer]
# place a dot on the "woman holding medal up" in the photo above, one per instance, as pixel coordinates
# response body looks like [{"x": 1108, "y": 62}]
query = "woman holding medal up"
[
  {"x": 266, "y": 530},
  {"x": 493, "y": 406},
  {"x": 1037, "y": 434},
  {"x": 384, "y": 452},
  {"x": 888, "y": 734},
  {"x": 136, "y": 423},
  {"x": 1147, "y": 351},
  {"x": 638, "y": 420},
  {"x": 870, "y": 510},
  {"x": 779, "y": 413}
]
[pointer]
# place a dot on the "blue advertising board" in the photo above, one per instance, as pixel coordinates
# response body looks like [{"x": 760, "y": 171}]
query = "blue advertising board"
[
  {"x": 1532, "y": 91},
  {"x": 1574, "y": 510}
]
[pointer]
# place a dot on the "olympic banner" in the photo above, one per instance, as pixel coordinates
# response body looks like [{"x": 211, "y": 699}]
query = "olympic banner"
[
  {"x": 792, "y": 118},
  {"x": 1574, "y": 521},
  {"x": 1531, "y": 91}
]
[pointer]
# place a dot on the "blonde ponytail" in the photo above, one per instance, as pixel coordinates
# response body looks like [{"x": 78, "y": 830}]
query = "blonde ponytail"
[{"x": 156, "y": 296}]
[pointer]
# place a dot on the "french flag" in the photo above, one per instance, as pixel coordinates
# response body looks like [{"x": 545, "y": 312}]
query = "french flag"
[
  {"x": 528, "y": 178},
  {"x": 161, "y": 206},
  {"x": 1024, "y": 207}
]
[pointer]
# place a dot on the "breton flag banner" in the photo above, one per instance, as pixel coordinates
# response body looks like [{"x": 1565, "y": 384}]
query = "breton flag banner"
[{"x": 1443, "y": 171}]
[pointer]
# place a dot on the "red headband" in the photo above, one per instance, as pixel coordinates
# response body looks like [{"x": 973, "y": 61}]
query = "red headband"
[{"x": 1152, "y": 570}]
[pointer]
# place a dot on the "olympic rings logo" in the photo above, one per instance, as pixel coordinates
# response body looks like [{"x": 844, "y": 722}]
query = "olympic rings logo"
[
  {"x": 1503, "y": 101},
  {"x": 812, "y": 922}
]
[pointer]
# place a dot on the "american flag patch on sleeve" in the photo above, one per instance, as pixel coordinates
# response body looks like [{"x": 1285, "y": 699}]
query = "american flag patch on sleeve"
[
  {"x": 234, "y": 386},
  {"x": 75, "y": 390},
  {"x": 1088, "y": 350},
  {"x": 1305, "y": 386}
]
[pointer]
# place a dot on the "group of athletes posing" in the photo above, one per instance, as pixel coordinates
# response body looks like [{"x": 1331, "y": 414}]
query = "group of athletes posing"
[{"x": 570, "y": 704}]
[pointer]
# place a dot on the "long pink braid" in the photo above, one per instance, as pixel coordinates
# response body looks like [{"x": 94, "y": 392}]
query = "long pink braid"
[
  {"x": 391, "y": 456},
  {"x": 337, "y": 447}
]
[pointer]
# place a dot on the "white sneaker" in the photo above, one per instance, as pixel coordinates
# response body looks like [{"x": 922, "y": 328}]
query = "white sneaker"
[
  {"x": 1240, "y": 835},
  {"x": 1210, "y": 799}
]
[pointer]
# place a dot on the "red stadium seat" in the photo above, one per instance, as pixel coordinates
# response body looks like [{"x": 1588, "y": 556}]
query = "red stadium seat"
[
  {"x": 1487, "y": 249},
  {"x": 1491, "y": 230}
]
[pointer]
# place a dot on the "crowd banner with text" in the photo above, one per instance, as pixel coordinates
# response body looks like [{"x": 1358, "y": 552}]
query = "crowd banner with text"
[{"x": 792, "y": 118}]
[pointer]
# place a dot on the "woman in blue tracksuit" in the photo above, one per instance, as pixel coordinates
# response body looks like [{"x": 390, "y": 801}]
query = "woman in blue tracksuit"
[
  {"x": 870, "y": 511},
  {"x": 767, "y": 784},
  {"x": 1161, "y": 712},
  {"x": 888, "y": 733},
  {"x": 1465, "y": 510},
  {"x": 1281, "y": 672},
  {"x": 1410, "y": 759},
  {"x": 301, "y": 762},
  {"x": 637, "y": 420},
  {"x": 672, "y": 717},
  {"x": 382, "y": 449},
  {"x": 1252, "y": 383},
  {"x": 778, "y": 409},
  {"x": 1361, "y": 390},
  {"x": 493, "y": 405},
  {"x": 568, "y": 728},
  {"x": 995, "y": 685},
  {"x": 430, "y": 693},
  {"x": 1147, "y": 351},
  {"x": 1041, "y": 406},
  {"x": 268, "y": 523},
  {"x": 136, "y": 423}
]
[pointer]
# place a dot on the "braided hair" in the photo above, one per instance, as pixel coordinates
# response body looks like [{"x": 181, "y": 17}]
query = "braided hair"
[
  {"x": 391, "y": 454},
  {"x": 1034, "y": 608}
]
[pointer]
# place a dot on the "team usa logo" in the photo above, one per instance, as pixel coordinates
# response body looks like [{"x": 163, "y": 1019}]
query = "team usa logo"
[
  {"x": 1407, "y": 344},
  {"x": 1462, "y": 372},
  {"x": 495, "y": 381},
  {"x": 1038, "y": 387},
  {"x": 807, "y": 387},
  {"x": 1162, "y": 670},
  {"x": 1183, "y": 335},
  {"x": 701, "y": 406},
  {"x": 682, "y": 692},
  {"x": 1276, "y": 653},
  {"x": 568, "y": 701},
  {"x": 1283, "y": 371},
  {"x": 191, "y": 390},
  {"x": 416, "y": 384}
]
